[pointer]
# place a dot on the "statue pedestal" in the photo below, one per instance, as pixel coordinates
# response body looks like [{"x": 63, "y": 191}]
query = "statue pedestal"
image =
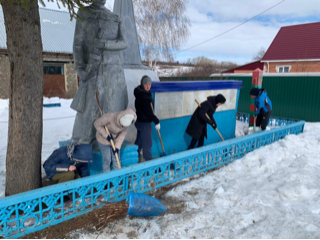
[{"x": 128, "y": 156}]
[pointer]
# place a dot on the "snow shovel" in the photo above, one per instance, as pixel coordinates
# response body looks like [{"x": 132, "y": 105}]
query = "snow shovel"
[
  {"x": 254, "y": 123},
  {"x": 164, "y": 152},
  {"x": 111, "y": 141},
  {"x": 210, "y": 119}
]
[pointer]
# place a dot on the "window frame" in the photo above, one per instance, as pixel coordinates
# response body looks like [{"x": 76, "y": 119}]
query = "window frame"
[{"x": 281, "y": 69}]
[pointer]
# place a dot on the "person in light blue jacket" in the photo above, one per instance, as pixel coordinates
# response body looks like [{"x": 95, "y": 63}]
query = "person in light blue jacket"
[{"x": 263, "y": 107}]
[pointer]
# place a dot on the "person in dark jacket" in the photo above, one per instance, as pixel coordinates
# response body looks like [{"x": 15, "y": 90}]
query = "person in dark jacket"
[
  {"x": 145, "y": 116},
  {"x": 68, "y": 163},
  {"x": 197, "y": 127},
  {"x": 263, "y": 107}
]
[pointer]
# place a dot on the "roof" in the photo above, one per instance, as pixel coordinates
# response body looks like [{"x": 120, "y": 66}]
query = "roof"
[
  {"x": 57, "y": 31},
  {"x": 295, "y": 43},
  {"x": 249, "y": 66},
  {"x": 181, "y": 86}
]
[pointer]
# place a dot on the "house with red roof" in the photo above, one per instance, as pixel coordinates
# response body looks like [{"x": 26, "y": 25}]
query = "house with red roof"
[
  {"x": 247, "y": 68},
  {"x": 294, "y": 49}
]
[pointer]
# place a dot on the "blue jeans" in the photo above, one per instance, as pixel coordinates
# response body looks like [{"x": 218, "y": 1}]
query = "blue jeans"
[{"x": 108, "y": 157}]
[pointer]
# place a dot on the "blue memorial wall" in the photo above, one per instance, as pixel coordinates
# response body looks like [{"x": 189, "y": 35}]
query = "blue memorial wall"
[{"x": 176, "y": 101}]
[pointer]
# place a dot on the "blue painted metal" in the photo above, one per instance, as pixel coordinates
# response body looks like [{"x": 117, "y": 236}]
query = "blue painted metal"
[
  {"x": 194, "y": 86},
  {"x": 273, "y": 122},
  {"x": 34, "y": 210},
  {"x": 176, "y": 140},
  {"x": 50, "y": 105},
  {"x": 173, "y": 130}
]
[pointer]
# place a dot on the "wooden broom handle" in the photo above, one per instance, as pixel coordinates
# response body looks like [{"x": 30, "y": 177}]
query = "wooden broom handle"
[
  {"x": 111, "y": 141},
  {"x": 210, "y": 119},
  {"x": 158, "y": 132}
]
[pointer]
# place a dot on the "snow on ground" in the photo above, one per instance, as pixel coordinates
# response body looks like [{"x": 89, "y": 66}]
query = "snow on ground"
[
  {"x": 57, "y": 126},
  {"x": 272, "y": 192},
  {"x": 168, "y": 71}
]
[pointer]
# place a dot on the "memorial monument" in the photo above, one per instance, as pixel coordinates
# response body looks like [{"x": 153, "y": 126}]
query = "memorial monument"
[{"x": 98, "y": 40}]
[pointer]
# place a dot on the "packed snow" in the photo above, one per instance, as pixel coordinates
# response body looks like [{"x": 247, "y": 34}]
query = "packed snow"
[{"x": 272, "y": 192}]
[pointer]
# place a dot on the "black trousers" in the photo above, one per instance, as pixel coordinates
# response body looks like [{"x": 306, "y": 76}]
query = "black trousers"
[
  {"x": 144, "y": 139},
  {"x": 194, "y": 141},
  {"x": 263, "y": 119}
]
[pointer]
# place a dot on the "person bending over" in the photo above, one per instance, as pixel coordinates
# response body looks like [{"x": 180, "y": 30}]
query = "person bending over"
[
  {"x": 117, "y": 124},
  {"x": 197, "y": 127}
]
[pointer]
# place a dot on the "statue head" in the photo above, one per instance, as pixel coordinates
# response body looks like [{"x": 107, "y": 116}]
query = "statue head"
[{"x": 99, "y": 3}]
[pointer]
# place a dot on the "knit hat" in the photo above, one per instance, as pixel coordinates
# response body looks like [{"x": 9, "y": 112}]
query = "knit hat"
[
  {"x": 145, "y": 79},
  {"x": 255, "y": 92},
  {"x": 220, "y": 99},
  {"x": 126, "y": 120}
]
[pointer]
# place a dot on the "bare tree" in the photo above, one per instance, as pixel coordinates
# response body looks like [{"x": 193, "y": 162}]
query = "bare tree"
[
  {"x": 259, "y": 55},
  {"x": 204, "y": 67},
  {"x": 203, "y": 61},
  {"x": 162, "y": 27},
  {"x": 24, "y": 44}
]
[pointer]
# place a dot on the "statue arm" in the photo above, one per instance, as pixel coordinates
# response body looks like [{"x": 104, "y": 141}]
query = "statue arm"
[
  {"x": 79, "y": 48},
  {"x": 120, "y": 43}
]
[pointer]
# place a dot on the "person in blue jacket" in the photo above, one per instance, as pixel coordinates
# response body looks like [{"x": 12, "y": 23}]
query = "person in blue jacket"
[
  {"x": 68, "y": 163},
  {"x": 263, "y": 107}
]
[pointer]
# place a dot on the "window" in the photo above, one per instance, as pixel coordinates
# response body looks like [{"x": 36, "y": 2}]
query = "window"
[
  {"x": 284, "y": 69},
  {"x": 51, "y": 70}
]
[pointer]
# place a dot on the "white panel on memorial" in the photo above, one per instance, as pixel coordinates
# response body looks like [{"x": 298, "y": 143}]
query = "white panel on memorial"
[
  {"x": 178, "y": 104},
  {"x": 168, "y": 105}
]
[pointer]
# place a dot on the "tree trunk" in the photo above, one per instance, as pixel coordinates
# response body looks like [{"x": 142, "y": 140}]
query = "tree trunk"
[{"x": 23, "y": 163}]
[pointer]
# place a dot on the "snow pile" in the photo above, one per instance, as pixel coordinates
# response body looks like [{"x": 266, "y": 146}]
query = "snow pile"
[
  {"x": 168, "y": 71},
  {"x": 272, "y": 192},
  {"x": 241, "y": 128}
]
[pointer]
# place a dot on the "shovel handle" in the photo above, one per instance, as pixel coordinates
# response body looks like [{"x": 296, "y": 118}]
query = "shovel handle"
[
  {"x": 161, "y": 141},
  {"x": 210, "y": 119},
  {"x": 111, "y": 141},
  {"x": 158, "y": 132}
]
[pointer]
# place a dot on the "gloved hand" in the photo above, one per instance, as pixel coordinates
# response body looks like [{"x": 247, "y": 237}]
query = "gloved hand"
[
  {"x": 110, "y": 137},
  {"x": 157, "y": 127},
  {"x": 115, "y": 151},
  {"x": 213, "y": 124}
]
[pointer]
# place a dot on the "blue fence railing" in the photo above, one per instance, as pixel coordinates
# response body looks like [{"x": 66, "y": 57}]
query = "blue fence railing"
[
  {"x": 273, "y": 122},
  {"x": 34, "y": 210}
]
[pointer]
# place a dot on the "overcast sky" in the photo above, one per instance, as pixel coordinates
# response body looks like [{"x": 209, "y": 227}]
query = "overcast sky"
[{"x": 210, "y": 18}]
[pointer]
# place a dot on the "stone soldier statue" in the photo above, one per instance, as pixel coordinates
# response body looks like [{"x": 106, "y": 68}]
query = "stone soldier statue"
[{"x": 98, "y": 39}]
